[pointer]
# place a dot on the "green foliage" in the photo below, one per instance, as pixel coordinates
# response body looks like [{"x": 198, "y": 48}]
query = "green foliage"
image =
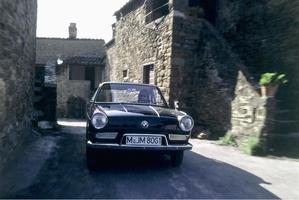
[
  {"x": 253, "y": 146},
  {"x": 229, "y": 140},
  {"x": 273, "y": 78}
]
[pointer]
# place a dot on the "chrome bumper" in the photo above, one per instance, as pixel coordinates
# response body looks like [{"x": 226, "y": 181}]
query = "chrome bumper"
[{"x": 137, "y": 147}]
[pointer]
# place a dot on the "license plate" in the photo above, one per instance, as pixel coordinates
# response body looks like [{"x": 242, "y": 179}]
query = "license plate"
[{"x": 144, "y": 140}]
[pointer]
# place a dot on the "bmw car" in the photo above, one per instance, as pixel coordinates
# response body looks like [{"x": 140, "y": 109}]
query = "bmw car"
[{"x": 127, "y": 116}]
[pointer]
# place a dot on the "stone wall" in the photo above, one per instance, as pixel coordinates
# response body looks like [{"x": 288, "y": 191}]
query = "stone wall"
[
  {"x": 72, "y": 95},
  {"x": 265, "y": 36},
  {"x": 17, "y": 61},
  {"x": 217, "y": 90},
  {"x": 195, "y": 64},
  {"x": 249, "y": 112},
  {"x": 204, "y": 73},
  {"x": 137, "y": 44}
]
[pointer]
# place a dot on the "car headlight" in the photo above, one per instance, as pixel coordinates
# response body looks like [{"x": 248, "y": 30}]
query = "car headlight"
[
  {"x": 99, "y": 120},
  {"x": 186, "y": 122}
]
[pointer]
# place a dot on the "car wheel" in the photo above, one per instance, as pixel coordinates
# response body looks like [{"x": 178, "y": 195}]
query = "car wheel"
[
  {"x": 90, "y": 159},
  {"x": 177, "y": 158}
]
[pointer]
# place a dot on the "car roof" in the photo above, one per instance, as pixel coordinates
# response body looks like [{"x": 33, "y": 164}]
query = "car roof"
[{"x": 128, "y": 83}]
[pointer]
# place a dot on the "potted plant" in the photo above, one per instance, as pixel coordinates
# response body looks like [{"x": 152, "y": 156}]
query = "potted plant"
[{"x": 270, "y": 82}]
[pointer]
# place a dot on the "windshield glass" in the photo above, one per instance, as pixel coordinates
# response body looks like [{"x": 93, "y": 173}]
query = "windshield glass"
[{"x": 130, "y": 93}]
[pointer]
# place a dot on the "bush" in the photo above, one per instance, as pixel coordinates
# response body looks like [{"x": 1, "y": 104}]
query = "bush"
[
  {"x": 229, "y": 140},
  {"x": 273, "y": 78}
]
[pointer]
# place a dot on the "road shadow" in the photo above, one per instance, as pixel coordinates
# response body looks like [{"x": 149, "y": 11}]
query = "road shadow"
[{"x": 136, "y": 175}]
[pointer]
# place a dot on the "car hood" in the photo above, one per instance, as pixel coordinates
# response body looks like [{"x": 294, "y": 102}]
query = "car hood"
[{"x": 112, "y": 110}]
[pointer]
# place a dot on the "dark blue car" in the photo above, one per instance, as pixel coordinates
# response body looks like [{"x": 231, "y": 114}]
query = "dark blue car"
[{"x": 127, "y": 116}]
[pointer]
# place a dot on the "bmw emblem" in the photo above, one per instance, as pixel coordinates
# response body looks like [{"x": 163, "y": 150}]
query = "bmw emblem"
[{"x": 144, "y": 124}]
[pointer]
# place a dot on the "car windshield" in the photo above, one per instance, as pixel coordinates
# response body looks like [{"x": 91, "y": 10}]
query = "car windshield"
[{"x": 130, "y": 93}]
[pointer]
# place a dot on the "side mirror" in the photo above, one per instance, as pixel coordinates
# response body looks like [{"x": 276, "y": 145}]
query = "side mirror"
[{"x": 176, "y": 104}]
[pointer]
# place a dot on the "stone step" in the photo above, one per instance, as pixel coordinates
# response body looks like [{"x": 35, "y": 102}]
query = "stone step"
[
  {"x": 284, "y": 135},
  {"x": 280, "y": 111},
  {"x": 283, "y": 104},
  {"x": 289, "y": 104},
  {"x": 291, "y": 121},
  {"x": 286, "y": 117},
  {"x": 286, "y": 126},
  {"x": 281, "y": 114},
  {"x": 284, "y": 145}
]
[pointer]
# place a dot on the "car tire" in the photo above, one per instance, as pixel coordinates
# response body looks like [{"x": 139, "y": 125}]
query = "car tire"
[
  {"x": 177, "y": 158},
  {"x": 90, "y": 159}
]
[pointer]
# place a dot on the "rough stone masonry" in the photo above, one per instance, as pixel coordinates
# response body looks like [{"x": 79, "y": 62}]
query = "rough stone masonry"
[
  {"x": 136, "y": 45},
  {"x": 193, "y": 62},
  {"x": 17, "y": 61},
  {"x": 264, "y": 34}
]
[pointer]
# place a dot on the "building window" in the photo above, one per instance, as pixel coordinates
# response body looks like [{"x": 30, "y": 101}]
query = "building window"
[
  {"x": 148, "y": 74},
  {"x": 156, "y": 9},
  {"x": 125, "y": 73}
]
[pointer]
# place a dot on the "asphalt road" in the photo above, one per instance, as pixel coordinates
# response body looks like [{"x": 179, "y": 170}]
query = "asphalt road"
[{"x": 53, "y": 166}]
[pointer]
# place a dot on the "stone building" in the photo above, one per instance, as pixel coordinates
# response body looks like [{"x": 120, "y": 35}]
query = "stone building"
[
  {"x": 17, "y": 55},
  {"x": 79, "y": 64},
  {"x": 196, "y": 52},
  {"x": 132, "y": 53}
]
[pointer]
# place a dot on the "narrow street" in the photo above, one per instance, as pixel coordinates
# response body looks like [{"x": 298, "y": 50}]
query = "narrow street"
[{"x": 53, "y": 166}]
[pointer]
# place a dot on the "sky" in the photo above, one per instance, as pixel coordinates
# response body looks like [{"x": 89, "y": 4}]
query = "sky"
[{"x": 93, "y": 17}]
